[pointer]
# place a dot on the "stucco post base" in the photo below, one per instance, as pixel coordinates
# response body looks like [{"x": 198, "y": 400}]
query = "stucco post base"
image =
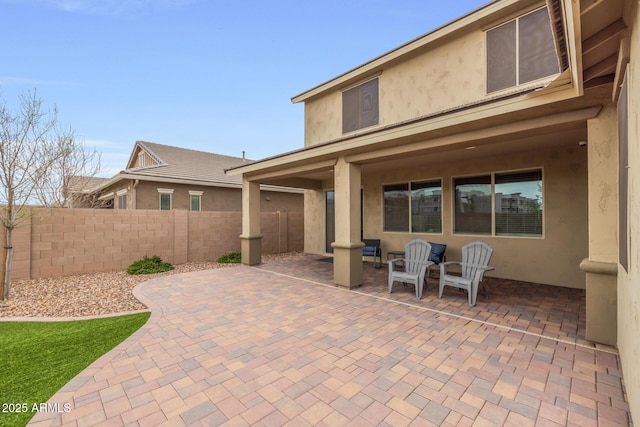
[
  {"x": 347, "y": 264},
  {"x": 602, "y": 301},
  {"x": 251, "y": 249}
]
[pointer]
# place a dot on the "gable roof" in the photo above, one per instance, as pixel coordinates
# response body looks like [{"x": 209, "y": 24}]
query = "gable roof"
[{"x": 183, "y": 164}]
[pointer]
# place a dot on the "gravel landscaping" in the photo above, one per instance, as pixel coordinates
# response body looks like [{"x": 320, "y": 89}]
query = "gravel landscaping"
[{"x": 88, "y": 294}]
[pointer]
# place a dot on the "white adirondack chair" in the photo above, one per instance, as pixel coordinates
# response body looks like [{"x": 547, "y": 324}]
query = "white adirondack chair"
[
  {"x": 475, "y": 260},
  {"x": 416, "y": 261}
]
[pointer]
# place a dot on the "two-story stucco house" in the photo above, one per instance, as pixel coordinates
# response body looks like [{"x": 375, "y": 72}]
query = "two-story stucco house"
[{"x": 516, "y": 124}]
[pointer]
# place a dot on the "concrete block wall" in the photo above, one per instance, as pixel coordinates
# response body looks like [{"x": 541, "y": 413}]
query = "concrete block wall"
[{"x": 62, "y": 242}]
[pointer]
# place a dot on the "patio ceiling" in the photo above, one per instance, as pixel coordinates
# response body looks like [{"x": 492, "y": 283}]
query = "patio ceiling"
[{"x": 602, "y": 30}]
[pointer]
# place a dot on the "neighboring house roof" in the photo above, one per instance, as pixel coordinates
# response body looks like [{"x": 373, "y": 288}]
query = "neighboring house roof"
[
  {"x": 76, "y": 184},
  {"x": 183, "y": 163},
  {"x": 165, "y": 163}
]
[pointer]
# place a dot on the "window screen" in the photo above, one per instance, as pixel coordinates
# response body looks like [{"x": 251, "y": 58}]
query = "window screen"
[
  {"x": 360, "y": 106},
  {"x": 521, "y": 51},
  {"x": 536, "y": 47},
  {"x": 501, "y": 57}
]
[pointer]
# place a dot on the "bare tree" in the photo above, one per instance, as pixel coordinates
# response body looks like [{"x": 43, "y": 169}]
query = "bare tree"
[{"x": 35, "y": 152}]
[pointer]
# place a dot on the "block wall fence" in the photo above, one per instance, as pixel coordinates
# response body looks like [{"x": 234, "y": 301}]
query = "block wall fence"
[{"x": 63, "y": 242}]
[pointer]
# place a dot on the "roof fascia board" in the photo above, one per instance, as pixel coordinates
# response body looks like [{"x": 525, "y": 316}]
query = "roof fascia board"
[
  {"x": 123, "y": 176},
  {"x": 469, "y": 20},
  {"x": 479, "y": 135},
  {"x": 573, "y": 31}
]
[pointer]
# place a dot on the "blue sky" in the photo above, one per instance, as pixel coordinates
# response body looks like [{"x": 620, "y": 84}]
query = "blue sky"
[{"x": 211, "y": 75}]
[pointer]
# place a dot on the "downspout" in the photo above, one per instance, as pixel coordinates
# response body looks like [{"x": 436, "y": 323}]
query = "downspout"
[{"x": 134, "y": 194}]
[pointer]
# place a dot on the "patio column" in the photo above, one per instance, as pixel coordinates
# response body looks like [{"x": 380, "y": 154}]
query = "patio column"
[
  {"x": 601, "y": 267},
  {"x": 251, "y": 239},
  {"x": 347, "y": 248}
]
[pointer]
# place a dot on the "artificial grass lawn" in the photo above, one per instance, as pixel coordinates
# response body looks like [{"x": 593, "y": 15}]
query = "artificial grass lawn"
[{"x": 38, "y": 358}]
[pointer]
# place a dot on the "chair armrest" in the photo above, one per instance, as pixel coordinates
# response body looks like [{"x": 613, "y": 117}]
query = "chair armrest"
[
  {"x": 444, "y": 265},
  {"x": 451, "y": 263}
]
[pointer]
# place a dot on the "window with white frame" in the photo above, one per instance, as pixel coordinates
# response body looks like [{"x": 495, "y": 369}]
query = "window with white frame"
[
  {"x": 165, "y": 195},
  {"x": 521, "y": 51},
  {"x": 500, "y": 204},
  {"x": 195, "y": 200},
  {"x": 360, "y": 106},
  {"x": 122, "y": 199},
  {"x": 414, "y": 206}
]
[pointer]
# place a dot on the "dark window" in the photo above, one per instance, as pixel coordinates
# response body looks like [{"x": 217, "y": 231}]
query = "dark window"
[
  {"x": 473, "y": 205},
  {"x": 195, "y": 203},
  {"x": 165, "y": 201},
  {"x": 518, "y": 203},
  {"x": 521, "y": 51},
  {"x": 360, "y": 106},
  {"x": 426, "y": 208},
  {"x": 415, "y": 207},
  {"x": 122, "y": 201},
  {"x": 396, "y": 207}
]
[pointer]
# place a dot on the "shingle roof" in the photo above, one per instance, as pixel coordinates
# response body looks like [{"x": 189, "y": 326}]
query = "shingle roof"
[{"x": 185, "y": 164}]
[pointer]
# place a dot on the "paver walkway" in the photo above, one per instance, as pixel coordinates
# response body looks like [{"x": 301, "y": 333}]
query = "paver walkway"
[{"x": 249, "y": 346}]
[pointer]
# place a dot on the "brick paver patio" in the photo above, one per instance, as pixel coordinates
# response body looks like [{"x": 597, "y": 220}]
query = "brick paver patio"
[{"x": 280, "y": 345}]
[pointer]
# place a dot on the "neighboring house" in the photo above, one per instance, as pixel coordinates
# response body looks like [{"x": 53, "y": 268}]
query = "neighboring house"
[
  {"x": 165, "y": 177},
  {"x": 523, "y": 116}
]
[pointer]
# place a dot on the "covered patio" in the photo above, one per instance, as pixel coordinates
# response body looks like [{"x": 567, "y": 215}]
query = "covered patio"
[{"x": 547, "y": 311}]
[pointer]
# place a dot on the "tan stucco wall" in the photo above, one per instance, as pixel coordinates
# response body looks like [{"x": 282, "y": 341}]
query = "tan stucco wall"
[
  {"x": 553, "y": 259},
  {"x": 629, "y": 282},
  {"x": 450, "y": 75}
]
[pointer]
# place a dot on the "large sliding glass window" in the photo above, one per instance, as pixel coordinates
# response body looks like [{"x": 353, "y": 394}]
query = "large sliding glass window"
[
  {"x": 415, "y": 207},
  {"x": 473, "y": 205},
  {"x": 396, "y": 207},
  {"x": 517, "y": 204},
  {"x": 426, "y": 207}
]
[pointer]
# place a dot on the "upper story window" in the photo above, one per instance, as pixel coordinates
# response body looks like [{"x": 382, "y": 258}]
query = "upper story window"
[
  {"x": 360, "y": 106},
  {"x": 521, "y": 51}
]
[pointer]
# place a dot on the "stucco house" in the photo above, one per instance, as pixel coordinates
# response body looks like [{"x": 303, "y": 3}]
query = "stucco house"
[
  {"x": 517, "y": 124},
  {"x": 165, "y": 177}
]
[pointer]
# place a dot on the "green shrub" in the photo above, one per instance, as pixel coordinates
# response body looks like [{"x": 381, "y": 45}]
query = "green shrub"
[
  {"x": 231, "y": 257},
  {"x": 148, "y": 265}
]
